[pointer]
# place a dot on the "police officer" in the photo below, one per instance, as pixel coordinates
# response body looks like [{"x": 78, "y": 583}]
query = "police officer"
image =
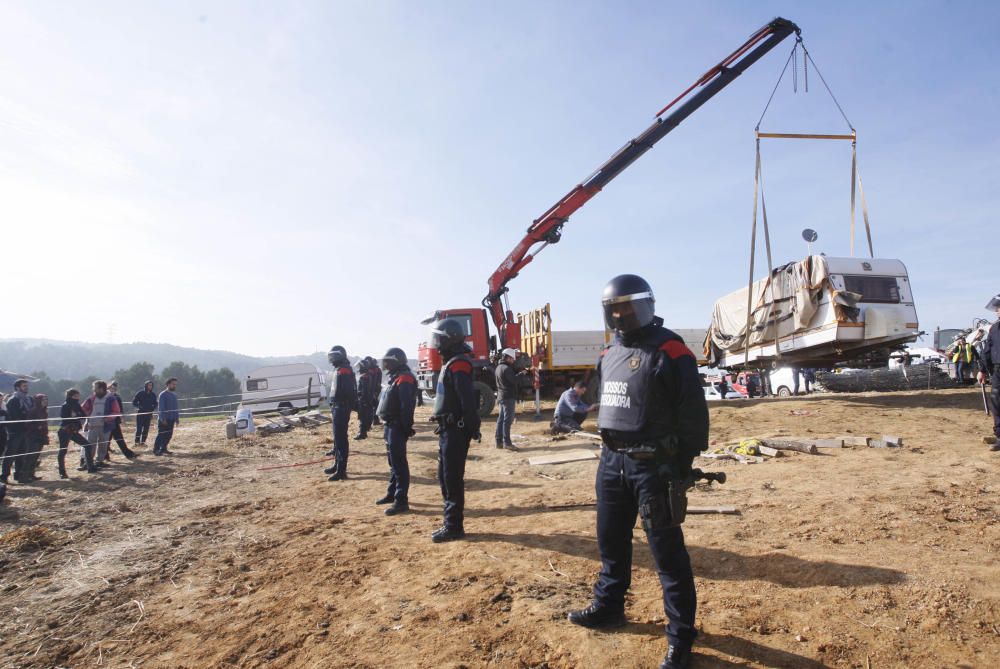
[
  {"x": 376, "y": 385},
  {"x": 343, "y": 400},
  {"x": 456, "y": 411},
  {"x": 653, "y": 420},
  {"x": 366, "y": 406},
  {"x": 395, "y": 408},
  {"x": 989, "y": 366}
]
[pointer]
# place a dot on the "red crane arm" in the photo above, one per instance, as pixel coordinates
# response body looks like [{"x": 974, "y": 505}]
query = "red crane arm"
[{"x": 547, "y": 228}]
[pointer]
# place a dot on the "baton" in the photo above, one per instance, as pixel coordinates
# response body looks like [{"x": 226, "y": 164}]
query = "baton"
[{"x": 986, "y": 402}]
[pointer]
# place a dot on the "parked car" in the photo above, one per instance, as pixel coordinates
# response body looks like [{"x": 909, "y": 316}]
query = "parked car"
[
  {"x": 712, "y": 393},
  {"x": 284, "y": 388}
]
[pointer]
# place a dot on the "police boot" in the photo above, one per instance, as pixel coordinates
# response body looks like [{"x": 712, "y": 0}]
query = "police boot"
[
  {"x": 444, "y": 534},
  {"x": 511, "y": 447},
  {"x": 338, "y": 476},
  {"x": 360, "y": 435},
  {"x": 388, "y": 499},
  {"x": 398, "y": 507},
  {"x": 331, "y": 452},
  {"x": 330, "y": 470},
  {"x": 677, "y": 657},
  {"x": 597, "y": 615}
]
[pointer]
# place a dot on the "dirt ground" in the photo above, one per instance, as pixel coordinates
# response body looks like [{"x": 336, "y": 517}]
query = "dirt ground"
[{"x": 859, "y": 557}]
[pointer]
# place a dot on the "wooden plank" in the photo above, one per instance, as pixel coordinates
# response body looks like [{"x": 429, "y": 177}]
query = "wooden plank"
[
  {"x": 589, "y": 435},
  {"x": 767, "y": 450},
  {"x": 856, "y": 441},
  {"x": 560, "y": 458},
  {"x": 892, "y": 440},
  {"x": 789, "y": 445},
  {"x": 727, "y": 510},
  {"x": 818, "y": 443}
]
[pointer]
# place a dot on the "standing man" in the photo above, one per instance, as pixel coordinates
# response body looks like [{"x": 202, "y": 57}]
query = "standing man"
[
  {"x": 653, "y": 421},
  {"x": 456, "y": 410},
  {"x": 343, "y": 400},
  {"x": 169, "y": 415},
  {"x": 395, "y": 408},
  {"x": 373, "y": 369},
  {"x": 506, "y": 397},
  {"x": 366, "y": 407},
  {"x": 19, "y": 406},
  {"x": 751, "y": 384},
  {"x": 571, "y": 410},
  {"x": 38, "y": 434},
  {"x": 989, "y": 366},
  {"x": 145, "y": 403},
  {"x": 116, "y": 432},
  {"x": 962, "y": 359},
  {"x": 102, "y": 410}
]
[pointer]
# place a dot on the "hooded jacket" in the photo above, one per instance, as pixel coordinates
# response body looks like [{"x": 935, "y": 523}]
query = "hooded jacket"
[{"x": 145, "y": 400}]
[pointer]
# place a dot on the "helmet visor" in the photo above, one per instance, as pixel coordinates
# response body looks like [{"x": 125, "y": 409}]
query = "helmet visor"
[
  {"x": 993, "y": 304},
  {"x": 629, "y": 312}
]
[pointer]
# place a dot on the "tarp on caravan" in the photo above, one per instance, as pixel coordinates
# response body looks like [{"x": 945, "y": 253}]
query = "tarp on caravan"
[{"x": 787, "y": 300}]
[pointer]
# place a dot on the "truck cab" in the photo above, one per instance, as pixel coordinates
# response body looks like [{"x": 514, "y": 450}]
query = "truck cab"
[{"x": 483, "y": 345}]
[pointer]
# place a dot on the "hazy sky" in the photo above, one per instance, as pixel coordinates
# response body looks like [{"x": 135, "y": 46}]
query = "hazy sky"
[{"x": 277, "y": 177}]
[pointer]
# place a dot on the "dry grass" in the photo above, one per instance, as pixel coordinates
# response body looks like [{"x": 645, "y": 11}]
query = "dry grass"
[{"x": 27, "y": 539}]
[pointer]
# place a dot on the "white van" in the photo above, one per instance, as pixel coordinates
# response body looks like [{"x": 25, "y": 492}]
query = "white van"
[{"x": 284, "y": 388}]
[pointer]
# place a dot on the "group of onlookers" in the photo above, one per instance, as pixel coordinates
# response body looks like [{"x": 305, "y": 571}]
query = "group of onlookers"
[{"x": 93, "y": 424}]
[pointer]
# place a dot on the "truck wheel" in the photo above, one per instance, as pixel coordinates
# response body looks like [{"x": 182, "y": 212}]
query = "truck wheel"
[
  {"x": 286, "y": 408},
  {"x": 783, "y": 391},
  {"x": 487, "y": 400}
]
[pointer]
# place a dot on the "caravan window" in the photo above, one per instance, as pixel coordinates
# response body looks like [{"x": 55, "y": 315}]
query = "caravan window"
[
  {"x": 881, "y": 289},
  {"x": 256, "y": 384}
]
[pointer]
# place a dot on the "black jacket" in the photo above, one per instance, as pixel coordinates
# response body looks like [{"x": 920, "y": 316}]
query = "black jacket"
[
  {"x": 70, "y": 412},
  {"x": 506, "y": 382},
  {"x": 989, "y": 356},
  {"x": 145, "y": 401}
]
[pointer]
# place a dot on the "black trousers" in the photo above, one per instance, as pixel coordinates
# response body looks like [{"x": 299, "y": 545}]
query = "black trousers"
[
  {"x": 164, "y": 433},
  {"x": 399, "y": 468},
  {"x": 453, "y": 448},
  {"x": 341, "y": 444},
  {"x": 366, "y": 414},
  {"x": 65, "y": 436},
  {"x": 142, "y": 423},
  {"x": 17, "y": 446},
  {"x": 995, "y": 401},
  {"x": 119, "y": 438},
  {"x": 623, "y": 486}
]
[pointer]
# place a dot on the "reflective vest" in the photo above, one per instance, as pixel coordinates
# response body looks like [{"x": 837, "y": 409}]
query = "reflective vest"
[{"x": 963, "y": 353}]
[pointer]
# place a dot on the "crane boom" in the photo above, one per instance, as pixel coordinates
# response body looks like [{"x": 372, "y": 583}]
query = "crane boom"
[{"x": 547, "y": 228}]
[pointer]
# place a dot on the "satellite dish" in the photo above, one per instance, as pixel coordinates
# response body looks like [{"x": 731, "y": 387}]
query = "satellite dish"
[{"x": 809, "y": 235}]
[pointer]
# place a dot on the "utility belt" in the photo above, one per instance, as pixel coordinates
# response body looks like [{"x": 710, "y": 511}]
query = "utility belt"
[
  {"x": 660, "y": 449},
  {"x": 448, "y": 420}
]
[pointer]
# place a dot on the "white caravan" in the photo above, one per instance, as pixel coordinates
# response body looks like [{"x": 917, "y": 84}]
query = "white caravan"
[
  {"x": 814, "y": 313},
  {"x": 284, "y": 388}
]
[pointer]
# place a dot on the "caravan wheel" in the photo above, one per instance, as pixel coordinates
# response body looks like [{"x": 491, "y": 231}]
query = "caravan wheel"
[
  {"x": 286, "y": 408},
  {"x": 783, "y": 391}
]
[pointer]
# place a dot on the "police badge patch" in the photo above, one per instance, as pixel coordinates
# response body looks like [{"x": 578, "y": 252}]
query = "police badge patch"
[{"x": 634, "y": 362}]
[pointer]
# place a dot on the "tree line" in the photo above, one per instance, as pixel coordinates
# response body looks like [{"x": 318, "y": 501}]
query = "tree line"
[{"x": 196, "y": 388}]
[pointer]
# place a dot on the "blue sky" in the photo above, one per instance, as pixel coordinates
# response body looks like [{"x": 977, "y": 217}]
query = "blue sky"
[{"x": 274, "y": 178}]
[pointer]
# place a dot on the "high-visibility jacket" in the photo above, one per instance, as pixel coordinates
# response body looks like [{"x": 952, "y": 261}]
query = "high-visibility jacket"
[{"x": 963, "y": 353}]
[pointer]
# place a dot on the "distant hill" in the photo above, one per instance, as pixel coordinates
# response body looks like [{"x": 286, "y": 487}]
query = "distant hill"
[{"x": 77, "y": 360}]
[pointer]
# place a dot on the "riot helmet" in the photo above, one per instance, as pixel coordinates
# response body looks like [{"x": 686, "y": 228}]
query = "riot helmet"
[
  {"x": 393, "y": 359},
  {"x": 362, "y": 365},
  {"x": 337, "y": 356},
  {"x": 447, "y": 335},
  {"x": 993, "y": 304},
  {"x": 628, "y": 303}
]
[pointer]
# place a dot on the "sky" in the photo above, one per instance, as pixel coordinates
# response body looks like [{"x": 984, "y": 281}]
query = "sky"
[{"x": 275, "y": 178}]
